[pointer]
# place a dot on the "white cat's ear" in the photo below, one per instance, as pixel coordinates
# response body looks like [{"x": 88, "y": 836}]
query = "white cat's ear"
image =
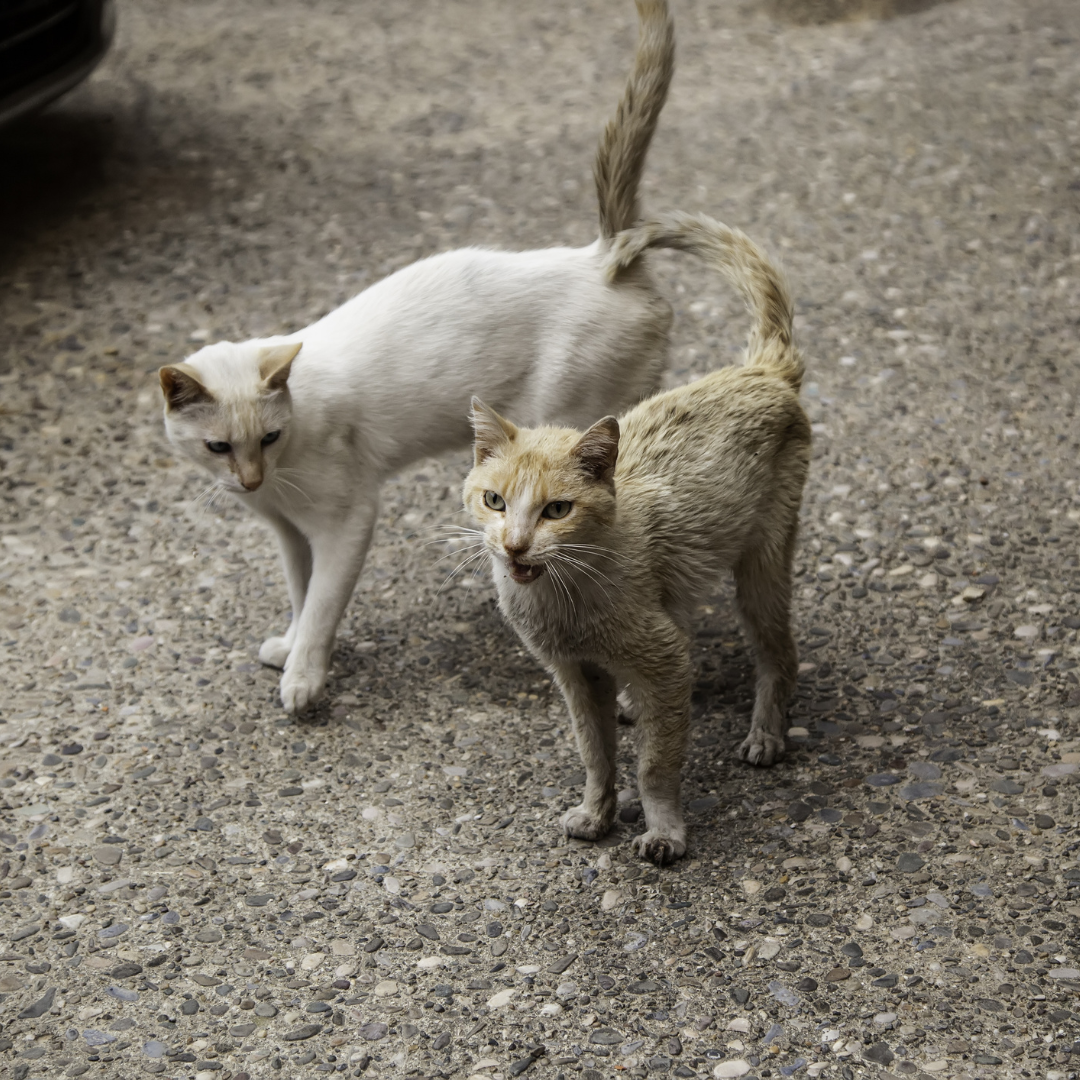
[
  {"x": 598, "y": 449},
  {"x": 275, "y": 361},
  {"x": 491, "y": 431},
  {"x": 181, "y": 387}
]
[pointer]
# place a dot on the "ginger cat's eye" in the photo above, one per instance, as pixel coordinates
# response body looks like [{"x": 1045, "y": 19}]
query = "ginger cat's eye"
[
  {"x": 271, "y": 436},
  {"x": 555, "y": 510},
  {"x": 494, "y": 501},
  {"x": 217, "y": 447}
]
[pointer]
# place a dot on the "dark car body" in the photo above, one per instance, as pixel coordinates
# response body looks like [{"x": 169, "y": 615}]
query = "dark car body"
[{"x": 46, "y": 47}]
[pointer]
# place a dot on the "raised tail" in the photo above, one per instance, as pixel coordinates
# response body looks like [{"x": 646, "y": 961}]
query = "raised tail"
[
  {"x": 620, "y": 157},
  {"x": 745, "y": 267}
]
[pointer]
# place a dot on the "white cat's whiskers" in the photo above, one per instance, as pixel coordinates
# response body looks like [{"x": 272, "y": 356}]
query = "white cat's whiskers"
[
  {"x": 299, "y": 490},
  {"x": 206, "y": 498}
]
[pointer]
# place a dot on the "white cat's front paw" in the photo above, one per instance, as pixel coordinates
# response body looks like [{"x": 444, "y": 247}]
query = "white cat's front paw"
[
  {"x": 274, "y": 651},
  {"x": 301, "y": 689},
  {"x": 584, "y": 825},
  {"x": 761, "y": 747},
  {"x": 661, "y": 845}
]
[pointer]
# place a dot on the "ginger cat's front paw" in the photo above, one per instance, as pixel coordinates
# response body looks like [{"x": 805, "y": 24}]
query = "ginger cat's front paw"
[
  {"x": 584, "y": 825},
  {"x": 661, "y": 845},
  {"x": 761, "y": 748},
  {"x": 274, "y": 651},
  {"x": 301, "y": 689}
]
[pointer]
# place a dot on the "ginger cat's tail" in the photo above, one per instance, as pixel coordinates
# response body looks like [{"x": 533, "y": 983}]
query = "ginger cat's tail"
[
  {"x": 620, "y": 157},
  {"x": 745, "y": 267}
]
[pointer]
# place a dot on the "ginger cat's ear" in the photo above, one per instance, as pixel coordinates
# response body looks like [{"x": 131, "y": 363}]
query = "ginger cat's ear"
[
  {"x": 598, "y": 449},
  {"x": 491, "y": 431},
  {"x": 181, "y": 386},
  {"x": 275, "y": 361}
]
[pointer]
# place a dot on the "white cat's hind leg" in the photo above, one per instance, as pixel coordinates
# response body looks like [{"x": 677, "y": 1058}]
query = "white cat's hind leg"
[
  {"x": 274, "y": 651},
  {"x": 629, "y": 709}
]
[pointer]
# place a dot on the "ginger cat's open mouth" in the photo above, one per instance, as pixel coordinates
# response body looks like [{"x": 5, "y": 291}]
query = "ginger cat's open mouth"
[{"x": 523, "y": 573}]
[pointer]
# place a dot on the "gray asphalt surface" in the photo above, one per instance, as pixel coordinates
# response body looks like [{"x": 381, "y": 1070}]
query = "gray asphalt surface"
[{"x": 193, "y": 884}]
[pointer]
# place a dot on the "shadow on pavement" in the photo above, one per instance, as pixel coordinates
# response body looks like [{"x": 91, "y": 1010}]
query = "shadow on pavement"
[{"x": 826, "y": 11}]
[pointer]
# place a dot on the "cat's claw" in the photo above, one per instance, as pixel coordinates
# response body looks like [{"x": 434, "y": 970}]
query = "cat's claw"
[
  {"x": 660, "y": 847},
  {"x": 761, "y": 748},
  {"x": 583, "y": 825},
  {"x": 274, "y": 651},
  {"x": 300, "y": 690}
]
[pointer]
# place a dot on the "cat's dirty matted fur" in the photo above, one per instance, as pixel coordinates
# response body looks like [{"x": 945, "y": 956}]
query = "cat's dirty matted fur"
[
  {"x": 601, "y": 543},
  {"x": 304, "y": 428}
]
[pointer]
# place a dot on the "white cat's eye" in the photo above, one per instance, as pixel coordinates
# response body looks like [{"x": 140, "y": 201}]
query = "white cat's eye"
[
  {"x": 494, "y": 501},
  {"x": 270, "y": 436},
  {"x": 558, "y": 509},
  {"x": 215, "y": 446}
]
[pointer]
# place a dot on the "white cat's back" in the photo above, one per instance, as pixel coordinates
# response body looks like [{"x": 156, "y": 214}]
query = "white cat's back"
[{"x": 540, "y": 334}]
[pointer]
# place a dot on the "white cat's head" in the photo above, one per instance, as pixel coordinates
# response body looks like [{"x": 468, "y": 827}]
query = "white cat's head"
[
  {"x": 543, "y": 496},
  {"x": 228, "y": 409}
]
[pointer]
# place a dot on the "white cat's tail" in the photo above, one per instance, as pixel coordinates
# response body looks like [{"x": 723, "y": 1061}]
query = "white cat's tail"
[
  {"x": 742, "y": 263},
  {"x": 620, "y": 158}
]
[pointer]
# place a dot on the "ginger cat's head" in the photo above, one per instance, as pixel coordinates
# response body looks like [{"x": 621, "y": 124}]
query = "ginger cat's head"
[
  {"x": 228, "y": 409},
  {"x": 542, "y": 495}
]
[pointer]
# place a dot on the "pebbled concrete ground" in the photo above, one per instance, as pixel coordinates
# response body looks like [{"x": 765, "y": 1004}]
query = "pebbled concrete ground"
[{"x": 192, "y": 884}]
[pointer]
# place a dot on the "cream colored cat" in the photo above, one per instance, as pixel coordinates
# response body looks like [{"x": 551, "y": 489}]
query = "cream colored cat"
[
  {"x": 602, "y": 543},
  {"x": 304, "y": 429}
]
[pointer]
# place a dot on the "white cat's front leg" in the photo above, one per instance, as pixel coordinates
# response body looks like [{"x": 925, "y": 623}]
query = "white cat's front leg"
[
  {"x": 337, "y": 559},
  {"x": 296, "y": 560}
]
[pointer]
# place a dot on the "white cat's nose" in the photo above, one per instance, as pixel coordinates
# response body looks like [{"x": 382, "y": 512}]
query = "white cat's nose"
[{"x": 249, "y": 474}]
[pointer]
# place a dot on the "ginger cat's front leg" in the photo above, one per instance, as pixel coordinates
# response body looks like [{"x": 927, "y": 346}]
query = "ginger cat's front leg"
[
  {"x": 661, "y": 690},
  {"x": 590, "y": 697}
]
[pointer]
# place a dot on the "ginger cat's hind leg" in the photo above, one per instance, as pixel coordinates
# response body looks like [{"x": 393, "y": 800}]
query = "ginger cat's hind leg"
[{"x": 763, "y": 593}]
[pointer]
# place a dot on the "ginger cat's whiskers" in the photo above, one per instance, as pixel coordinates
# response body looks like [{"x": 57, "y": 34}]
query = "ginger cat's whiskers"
[
  {"x": 477, "y": 555},
  {"x": 594, "y": 575}
]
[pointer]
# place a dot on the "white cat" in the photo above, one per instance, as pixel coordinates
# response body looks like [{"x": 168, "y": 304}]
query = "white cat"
[{"x": 304, "y": 428}]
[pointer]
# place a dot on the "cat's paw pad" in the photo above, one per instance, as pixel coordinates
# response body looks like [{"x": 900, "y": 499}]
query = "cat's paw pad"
[
  {"x": 629, "y": 709},
  {"x": 761, "y": 748},
  {"x": 583, "y": 825},
  {"x": 273, "y": 652},
  {"x": 300, "y": 690},
  {"x": 660, "y": 846}
]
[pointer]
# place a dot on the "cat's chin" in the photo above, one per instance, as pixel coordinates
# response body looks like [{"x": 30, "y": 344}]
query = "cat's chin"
[{"x": 524, "y": 573}]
